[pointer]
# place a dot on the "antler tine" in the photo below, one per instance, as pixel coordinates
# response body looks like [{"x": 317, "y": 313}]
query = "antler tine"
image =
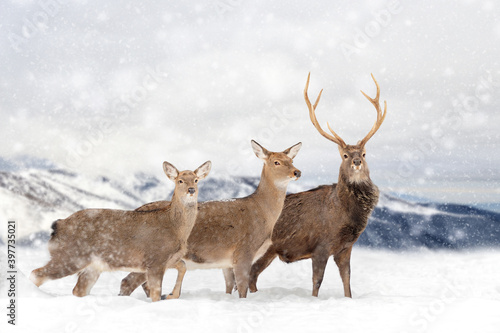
[
  {"x": 312, "y": 108},
  {"x": 380, "y": 115}
]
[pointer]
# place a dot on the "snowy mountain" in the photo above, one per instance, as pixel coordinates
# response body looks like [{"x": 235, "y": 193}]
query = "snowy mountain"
[
  {"x": 398, "y": 224},
  {"x": 35, "y": 198}
]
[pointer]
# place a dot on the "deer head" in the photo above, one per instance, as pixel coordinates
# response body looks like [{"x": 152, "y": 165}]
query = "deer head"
[
  {"x": 186, "y": 182},
  {"x": 278, "y": 166},
  {"x": 353, "y": 165}
]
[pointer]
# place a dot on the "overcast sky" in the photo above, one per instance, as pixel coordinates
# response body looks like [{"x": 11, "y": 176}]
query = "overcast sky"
[{"x": 116, "y": 87}]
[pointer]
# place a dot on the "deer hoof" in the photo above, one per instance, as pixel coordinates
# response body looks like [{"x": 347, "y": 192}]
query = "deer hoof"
[{"x": 169, "y": 296}]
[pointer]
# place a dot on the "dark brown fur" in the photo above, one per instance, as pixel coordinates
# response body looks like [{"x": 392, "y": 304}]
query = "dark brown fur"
[
  {"x": 319, "y": 223},
  {"x": 328, "y": 220}
]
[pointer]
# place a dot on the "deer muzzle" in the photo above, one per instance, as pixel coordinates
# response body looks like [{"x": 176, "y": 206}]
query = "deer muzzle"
[{"x": 356, "y": 164}]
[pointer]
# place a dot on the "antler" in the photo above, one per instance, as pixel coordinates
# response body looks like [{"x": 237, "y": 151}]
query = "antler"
[
  {"x": 335, "y": 138},
  {"x": 380, "y": 116}
]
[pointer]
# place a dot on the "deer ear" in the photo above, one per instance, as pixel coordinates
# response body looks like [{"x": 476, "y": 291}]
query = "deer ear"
[
  {"x": 293, "y": 150},
  {"x": 170, "y": 171},
  {"x": 260, "y": 151},
  {"x": 203, "y": 170}
]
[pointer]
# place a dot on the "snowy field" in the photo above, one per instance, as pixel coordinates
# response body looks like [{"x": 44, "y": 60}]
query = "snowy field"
[{"x": 424, "y": 291}]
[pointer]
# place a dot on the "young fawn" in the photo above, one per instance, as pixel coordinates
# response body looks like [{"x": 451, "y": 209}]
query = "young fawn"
[
  {"x": 92, "y": 241},
  {"x": 231, "y": 234},
  {"x": 329, "y": 219}
]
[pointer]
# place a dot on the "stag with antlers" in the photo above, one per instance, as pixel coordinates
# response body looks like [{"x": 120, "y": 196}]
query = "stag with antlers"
[{"x": 329, "y": 219}]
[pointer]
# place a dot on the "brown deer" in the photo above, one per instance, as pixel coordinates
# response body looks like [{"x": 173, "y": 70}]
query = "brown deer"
[
  {"x": 229, "y": 234},
  {"x": 95, "y": 240},
  {"x": 329, "y": 219}
]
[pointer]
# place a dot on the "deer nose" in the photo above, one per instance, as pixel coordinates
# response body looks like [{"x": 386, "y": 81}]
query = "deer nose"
[
  {"x": 356, "y": 161},
  {"x": 297, "y": 173},
  {"x": 191, "y": 190}
]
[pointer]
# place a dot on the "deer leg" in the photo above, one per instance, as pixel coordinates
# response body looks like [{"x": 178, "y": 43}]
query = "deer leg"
[
  {"x": 145, "y": 288},
  {"x": 261, "y": 265},
  {"x": 131, "y": 282},
  {"x": 229, "y": 279},
  {"x": 181, "y": 270},
  {"x": 86, "y": 280},
  {"x": 241, "y": 267},
  {"x": 343, "y": 261},
  {"x": 319, "y": 261},
  {"x": 57, "y": 269},
  {"x": 155, "y": 278}
]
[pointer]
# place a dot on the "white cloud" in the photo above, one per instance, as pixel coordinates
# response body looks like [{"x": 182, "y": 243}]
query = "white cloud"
[{"x": 85, "y": 84}]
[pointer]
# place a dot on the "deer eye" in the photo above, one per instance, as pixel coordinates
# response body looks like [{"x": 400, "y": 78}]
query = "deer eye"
[
  {"x": 196, "y": 180},
  {"x": 277, "y": 163},
  {"x": 364, "y": 154},
  {"x": 346, "y": 156},
  {"x": 180, "y": 182}
]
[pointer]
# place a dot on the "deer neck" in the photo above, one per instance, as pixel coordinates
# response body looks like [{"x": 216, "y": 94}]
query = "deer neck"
[
  {"x": 271, "y": 192},
  {"x": 183, "y": 214},
  {"x": 345, "y": 181},
  {"x": 357, "y": 198}
]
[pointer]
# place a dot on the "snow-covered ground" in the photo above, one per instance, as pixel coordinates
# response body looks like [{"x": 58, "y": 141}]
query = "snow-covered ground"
[{"x": 423, "y": 291}]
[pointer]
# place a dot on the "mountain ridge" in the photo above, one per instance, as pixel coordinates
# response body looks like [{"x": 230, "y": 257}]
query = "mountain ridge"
[{"x": 34, "y": 198}]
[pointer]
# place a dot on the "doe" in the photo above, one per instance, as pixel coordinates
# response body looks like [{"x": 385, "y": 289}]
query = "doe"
[
  {"x": 230, "y": 234},
  {"x": 95, "y": 240}
]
